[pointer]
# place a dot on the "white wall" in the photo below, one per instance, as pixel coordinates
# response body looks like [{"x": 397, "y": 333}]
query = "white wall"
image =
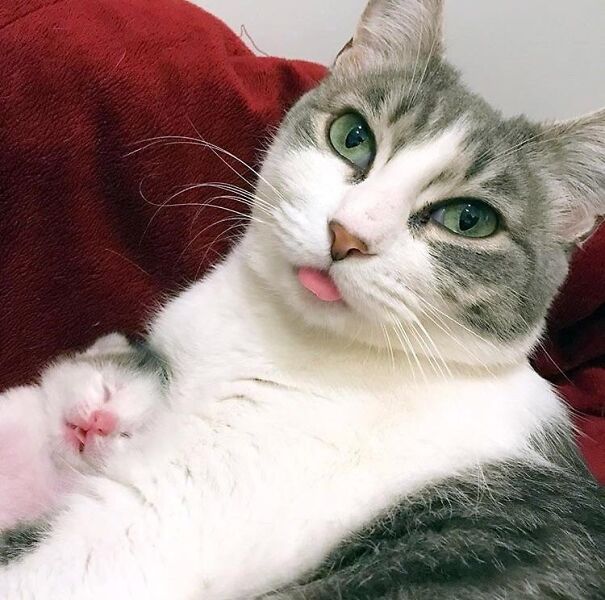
[{"x": 542, "y": 57}]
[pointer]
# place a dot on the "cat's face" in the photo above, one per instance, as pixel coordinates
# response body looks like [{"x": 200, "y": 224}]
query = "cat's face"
[{"x": 400, "y": 209}]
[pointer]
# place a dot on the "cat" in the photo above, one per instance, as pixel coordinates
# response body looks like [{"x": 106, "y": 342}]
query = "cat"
[{"x": 344, "y": 407}]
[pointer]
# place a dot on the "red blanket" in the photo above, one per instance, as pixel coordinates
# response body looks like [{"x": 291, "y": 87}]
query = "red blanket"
[{"x": 90, "y": 239}]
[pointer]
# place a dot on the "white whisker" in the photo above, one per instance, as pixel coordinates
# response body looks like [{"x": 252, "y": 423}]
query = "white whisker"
[
  {"x": 238, "y": 221},
  {"x": 192, "y": 141},
  {"x": 432, "y": 352},
  {"x": 399, "y": 328},
  {"x": 388, "y": 343}
]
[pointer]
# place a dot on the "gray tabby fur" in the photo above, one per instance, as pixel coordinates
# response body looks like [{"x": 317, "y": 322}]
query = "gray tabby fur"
[{"x": 521, "y": 532}]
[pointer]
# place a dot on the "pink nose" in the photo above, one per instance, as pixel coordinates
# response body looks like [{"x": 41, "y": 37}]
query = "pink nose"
[
  {"x": 103, "y": 422},
  {"x": 345, "y": 243}
]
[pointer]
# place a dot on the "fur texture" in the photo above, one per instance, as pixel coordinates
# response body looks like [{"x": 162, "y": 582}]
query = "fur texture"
[
  {"x": 390, "y": 436},
  {"x": 519, "y": 532}
]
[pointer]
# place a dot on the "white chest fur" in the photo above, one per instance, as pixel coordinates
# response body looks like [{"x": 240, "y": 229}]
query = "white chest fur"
[{"x": 277, "y": 443}]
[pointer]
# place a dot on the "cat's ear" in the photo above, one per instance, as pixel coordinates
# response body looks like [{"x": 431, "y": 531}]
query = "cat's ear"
[
  {"x": 401, "y": 30},
  {"x": 575, "y": 151}
]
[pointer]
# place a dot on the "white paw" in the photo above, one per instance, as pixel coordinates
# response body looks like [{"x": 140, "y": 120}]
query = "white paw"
[{"x": 29, "y": 482}]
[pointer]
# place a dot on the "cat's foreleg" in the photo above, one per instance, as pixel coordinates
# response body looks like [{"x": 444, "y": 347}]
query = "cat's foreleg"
[{"x": 29, "y": 480}]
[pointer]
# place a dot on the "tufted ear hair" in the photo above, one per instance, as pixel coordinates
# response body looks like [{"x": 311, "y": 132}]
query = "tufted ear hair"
[
  {"x": 394, "y": 30},
  {"x": 574, "y": 156}
]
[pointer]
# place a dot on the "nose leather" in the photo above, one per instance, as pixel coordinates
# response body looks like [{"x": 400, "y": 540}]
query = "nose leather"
[{"x": 344, "y": 243}]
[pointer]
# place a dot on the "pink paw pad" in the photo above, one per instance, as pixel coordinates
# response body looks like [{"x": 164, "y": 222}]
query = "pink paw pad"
[{"x": 100, "y": 423}]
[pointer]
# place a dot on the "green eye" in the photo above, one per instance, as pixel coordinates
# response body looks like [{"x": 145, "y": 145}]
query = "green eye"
[
  {"x": 469, "y": 218},
  {"x": 353, "y": 139}
]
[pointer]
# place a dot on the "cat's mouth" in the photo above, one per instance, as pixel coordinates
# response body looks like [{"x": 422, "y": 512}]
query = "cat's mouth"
[{"x": 319, "y": 283}]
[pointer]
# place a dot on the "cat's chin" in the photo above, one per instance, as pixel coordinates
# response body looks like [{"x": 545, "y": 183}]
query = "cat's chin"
[
  {"x": 308, "y": 293},
  {"x": 344, "y": 317}
]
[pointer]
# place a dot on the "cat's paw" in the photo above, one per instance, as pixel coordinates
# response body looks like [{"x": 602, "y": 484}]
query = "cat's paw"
[
  {"x": 96, "y": 406},
  {"x": 29, "y": 482}
]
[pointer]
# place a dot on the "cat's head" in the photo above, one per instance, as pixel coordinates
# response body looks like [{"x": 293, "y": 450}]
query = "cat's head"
[{"x": 444, "y": 227}]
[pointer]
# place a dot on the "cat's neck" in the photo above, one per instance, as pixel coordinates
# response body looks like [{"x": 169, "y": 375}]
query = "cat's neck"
[{"x": 232, "y": 308}]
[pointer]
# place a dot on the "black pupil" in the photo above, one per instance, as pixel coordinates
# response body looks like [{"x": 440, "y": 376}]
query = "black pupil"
[
  {"x": 356, "y": 137},
  {"x": 469, "y": 217}
]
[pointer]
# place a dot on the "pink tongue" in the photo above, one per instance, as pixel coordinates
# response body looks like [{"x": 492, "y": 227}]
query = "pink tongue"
[{"x": 319, "y": 283}]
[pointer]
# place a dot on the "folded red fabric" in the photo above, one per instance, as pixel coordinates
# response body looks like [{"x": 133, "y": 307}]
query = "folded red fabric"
[
  {"x": 92, "y": 232},
  {"x": 90, "y": 239},
  {"x": 573, "y": 354}
]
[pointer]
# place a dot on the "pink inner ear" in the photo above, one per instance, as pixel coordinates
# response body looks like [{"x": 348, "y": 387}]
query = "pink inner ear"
[{"x": 320, "y": 284}]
